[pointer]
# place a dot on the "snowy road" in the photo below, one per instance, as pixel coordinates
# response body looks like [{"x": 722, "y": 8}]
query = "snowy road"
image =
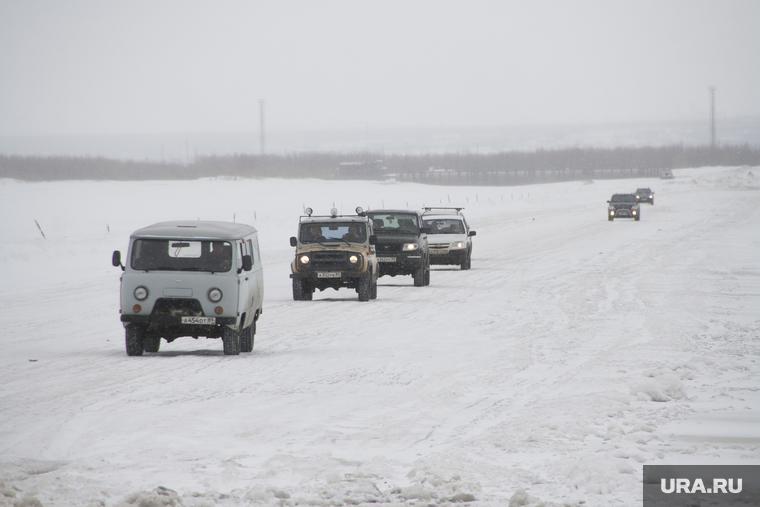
[{"x": 574, "y": 352}]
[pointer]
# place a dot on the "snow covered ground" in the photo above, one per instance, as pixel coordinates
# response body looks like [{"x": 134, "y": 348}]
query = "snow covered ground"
[{"x": 575, "y": 351}]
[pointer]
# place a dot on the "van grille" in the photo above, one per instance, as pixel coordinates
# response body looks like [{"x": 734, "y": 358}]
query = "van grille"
[{"x": 177, "y": 307}]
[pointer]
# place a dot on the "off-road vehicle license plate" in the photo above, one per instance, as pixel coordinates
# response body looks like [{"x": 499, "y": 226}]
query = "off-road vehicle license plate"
[
  {"x": 199, "y": 320},
  {"x": 386, "y": 259},
  {"x": 328, "y": 275}
]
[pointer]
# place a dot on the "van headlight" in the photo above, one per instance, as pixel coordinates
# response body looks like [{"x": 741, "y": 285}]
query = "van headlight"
[
  {"x": 141, "y": 293},
  {"x": 215, "y": 295},
  {"x": 410, "y": 247}
]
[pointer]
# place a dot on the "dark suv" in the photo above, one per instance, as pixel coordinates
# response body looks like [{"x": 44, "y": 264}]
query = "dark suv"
[
  {"x": 402, "y": 245},
  {"x": 623, "y": 206},
  {"x": 645, "y": 195}
]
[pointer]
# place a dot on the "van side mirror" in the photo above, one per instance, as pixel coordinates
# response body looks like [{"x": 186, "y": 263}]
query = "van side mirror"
[
  {"x": 247, "y": 263},
  {"x": 116, "y": 259},
  {"x": 372, "y": 239},
  {"x": 472, "y": 233},
  {"x": 293, "y": 241}
]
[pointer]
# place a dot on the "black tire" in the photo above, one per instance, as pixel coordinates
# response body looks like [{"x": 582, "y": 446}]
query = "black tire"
[
  {"x": 231, "y": 341},
  {"x": 467, "y": 262},
  {"x": 373, "y": 289},
  {"x": 365, "y": 288},
  {"x": 427, "y": 276},
  {"x": 610, "y": 219},
  {"x": 638, "y": 217},
  {"x": 135, "y": 340},
  {"x": 301, "y": 291},
  {"x": 419, "y": 276},
  {"x": 246, "y": 338},
  {"x": 152, "y": 343}
]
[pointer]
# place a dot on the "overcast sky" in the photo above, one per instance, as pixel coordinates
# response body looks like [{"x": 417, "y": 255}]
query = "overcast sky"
[{"x": 121, "y": 67}]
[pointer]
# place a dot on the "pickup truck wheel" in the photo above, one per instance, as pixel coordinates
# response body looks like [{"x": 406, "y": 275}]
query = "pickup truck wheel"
[
  {"x": 231, "y": 341},
  {"x": 364, "y": 289},
  {"x": 152, "y": 343},
  {"x": 135, "y": 340},
  {"x": 246, "y": 338}
]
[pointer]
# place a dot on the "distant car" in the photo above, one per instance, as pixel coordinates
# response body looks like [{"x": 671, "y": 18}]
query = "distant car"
[
  {"x": 623, "y": 206},
  {"x": 667, "y": 175},
  {"x": 449, "y": 236},
  {"x": 645, "y": 195},
  {"x": 402, "y": 244}
]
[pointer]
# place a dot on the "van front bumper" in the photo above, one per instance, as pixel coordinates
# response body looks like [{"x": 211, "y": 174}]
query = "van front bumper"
[{"x": 171, "y": 320}]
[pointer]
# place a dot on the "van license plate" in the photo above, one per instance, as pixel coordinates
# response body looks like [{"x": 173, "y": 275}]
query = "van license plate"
[
  {"x": 328, "y": 275},
  {"x": 386, "y": 259},
  {"x": 199, "y": 320}
]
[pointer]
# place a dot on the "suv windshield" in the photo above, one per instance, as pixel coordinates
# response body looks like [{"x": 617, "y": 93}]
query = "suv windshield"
[
  {"x": 395, "y": 222},
  {"x": 353, "y": 232},
  {"x": 445, "y": 226},
  {"x": 181, "y": 255},
  {"x": 623, "y": 198}
]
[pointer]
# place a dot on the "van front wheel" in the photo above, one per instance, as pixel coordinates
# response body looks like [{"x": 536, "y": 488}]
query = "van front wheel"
[
  {"x": 246, "y": 338},
  {"x": 135, "y": 340},
  {"x": 231, "y": 341}
]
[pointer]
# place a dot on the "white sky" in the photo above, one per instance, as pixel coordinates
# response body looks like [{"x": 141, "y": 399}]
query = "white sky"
[{"x": 120, "y": 67}]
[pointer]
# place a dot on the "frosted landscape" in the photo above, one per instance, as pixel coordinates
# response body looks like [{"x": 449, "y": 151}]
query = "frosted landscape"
[{"x": 575, "y": 351}]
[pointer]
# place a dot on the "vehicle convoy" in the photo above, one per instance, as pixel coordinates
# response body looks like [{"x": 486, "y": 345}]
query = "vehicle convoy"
[
  {"x": 645, "y": 195},
  {"x": 333, "y": 252},
  {"x": 623, "y": 206},
  {"x": 402, "y": 244},
  {"x": 191, "y": 278},
  {"x": 449, "y": 236}
]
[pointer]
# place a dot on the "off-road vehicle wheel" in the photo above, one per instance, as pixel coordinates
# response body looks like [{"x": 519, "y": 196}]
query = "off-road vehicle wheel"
[
  {"x": 152, "y": 343},
  {"x": 135, "y": 340},
  {"x": 246, "y": 338},
  {"x": 231, "y": 341},
  {"x": 373, "y": 290},
  {"x": 419, "y": 276},
  {"x": 301, "y": 292},
  {"x": 364, "y": 289}
]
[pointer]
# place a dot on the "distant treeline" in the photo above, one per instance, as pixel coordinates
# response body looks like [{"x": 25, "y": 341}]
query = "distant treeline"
[{"x": 563, "y": 163}]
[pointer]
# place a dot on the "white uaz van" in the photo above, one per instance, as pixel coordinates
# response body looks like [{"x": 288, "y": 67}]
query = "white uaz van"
[{"x": 191, "y": 278}]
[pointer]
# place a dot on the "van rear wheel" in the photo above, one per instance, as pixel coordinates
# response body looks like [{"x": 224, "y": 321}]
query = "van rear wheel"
[
  {"x": 231, "y": 341},
  {"x": 246, "y": 338},
  {"x": 135, "y": 340}
]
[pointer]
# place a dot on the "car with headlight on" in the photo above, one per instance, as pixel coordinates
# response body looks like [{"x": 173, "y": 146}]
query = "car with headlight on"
[
  {"x": 623, "y": 206},
  {"x": 334, "y": 252},
  {"x": 449, "y": 236},
  {"x": 402, "y": 244},
  {"x": 191, "y": 279},
  {"x": 645, "y": 195}
]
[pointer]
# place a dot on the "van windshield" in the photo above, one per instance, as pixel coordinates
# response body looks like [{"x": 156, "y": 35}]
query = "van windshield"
[{"x": 181, "y": 255}]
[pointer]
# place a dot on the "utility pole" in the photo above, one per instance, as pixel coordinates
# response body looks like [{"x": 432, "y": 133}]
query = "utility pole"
[
  {"x": 713, "y": 138},
  {"x": 262, "y": 138}
]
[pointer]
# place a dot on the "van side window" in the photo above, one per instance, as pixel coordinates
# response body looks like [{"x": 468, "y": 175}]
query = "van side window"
[{"x": 249, "y": 246}]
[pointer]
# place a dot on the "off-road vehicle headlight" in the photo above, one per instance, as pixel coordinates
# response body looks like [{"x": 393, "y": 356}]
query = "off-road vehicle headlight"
[
  {"x": 141, "y": 293},
  {"x": 215, "y": 295},
  {"x": 304, "y": 259},
  {"x": 353, "y": 259},
  {"x": 410, "y": 247}
]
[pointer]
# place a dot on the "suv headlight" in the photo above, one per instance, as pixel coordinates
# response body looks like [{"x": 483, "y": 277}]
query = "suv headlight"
[
  {"x": 215, "y": 295},
  {"x": 410, "y": 247},
  {"x": 458, "y": 244},
  {"x": 141, "y": 293}
]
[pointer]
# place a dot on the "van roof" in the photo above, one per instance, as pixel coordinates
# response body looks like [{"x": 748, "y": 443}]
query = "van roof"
[{"x": 194, "y": 229}]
